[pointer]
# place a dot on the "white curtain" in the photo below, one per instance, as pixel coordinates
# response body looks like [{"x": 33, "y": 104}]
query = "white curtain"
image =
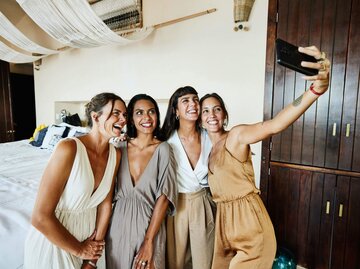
[
  {"x": 14, "y": 36},
  {"x": 9, "y": 55},
  {"x": 74, "y": 23}
]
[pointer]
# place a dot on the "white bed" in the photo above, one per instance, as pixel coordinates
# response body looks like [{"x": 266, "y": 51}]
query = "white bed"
[{"x": 21, "y": 167}]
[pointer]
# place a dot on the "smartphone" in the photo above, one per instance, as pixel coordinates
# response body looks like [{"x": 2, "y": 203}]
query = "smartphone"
[{"x": 289, "y": 56}]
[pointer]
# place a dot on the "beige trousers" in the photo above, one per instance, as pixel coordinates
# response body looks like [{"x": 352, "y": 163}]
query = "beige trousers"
[{"x": 190, "y": 233}]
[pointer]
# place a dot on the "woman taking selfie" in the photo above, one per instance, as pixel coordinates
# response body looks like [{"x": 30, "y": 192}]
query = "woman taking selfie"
[{"x": 244, "y": 236}]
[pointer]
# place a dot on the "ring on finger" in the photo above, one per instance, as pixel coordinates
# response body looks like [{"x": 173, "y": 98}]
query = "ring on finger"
[
  {"x": 143, "y": 263},
  {"x": 322, "y": 57},
  {"x": 322, "y": 66}
]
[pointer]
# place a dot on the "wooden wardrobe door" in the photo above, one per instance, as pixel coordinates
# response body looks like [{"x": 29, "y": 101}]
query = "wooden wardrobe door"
[
  {"x": 23, "y": 100},
  {"x": 321, "y": 259},
  {"x": 340, "y": 15},
  {"x": 350, "y": 128},
  {"x": 322, "y": 36},
  {"x": 287, "y": 83},
  {"x": 305, "y": 223},
  {"x": 352, "y": 238},
  {"x": 305, "y": 141},
  {"x": 6, "y": 121},
  {"x": 341, "y": 216},
  {"x": 314, "y": 139},
  {"x": 320, "y": 193}
]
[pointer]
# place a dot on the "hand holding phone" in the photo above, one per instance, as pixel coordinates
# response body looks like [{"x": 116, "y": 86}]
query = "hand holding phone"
[{"x": 289, "y": 56}]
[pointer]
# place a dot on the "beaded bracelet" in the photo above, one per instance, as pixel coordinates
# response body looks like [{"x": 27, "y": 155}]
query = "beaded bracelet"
[{"x": 313, "y": 91}]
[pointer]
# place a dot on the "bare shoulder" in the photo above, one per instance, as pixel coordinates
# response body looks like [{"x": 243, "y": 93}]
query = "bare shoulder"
[
  {"x": 235, "y": 138},
  {"x": 65, "y": 148},
  {"x": 61, "y": 161},
  {"x": 234, "y": 134},
  {"x": 237, "y": 129}
]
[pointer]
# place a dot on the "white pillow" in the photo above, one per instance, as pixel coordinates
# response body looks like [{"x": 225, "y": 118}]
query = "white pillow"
[
  {"x": 75, "y": 131},
  {"x": 66, "y": 125},
  {"x": 52, "y": 131},
  {"x": 53, "y": 142}
]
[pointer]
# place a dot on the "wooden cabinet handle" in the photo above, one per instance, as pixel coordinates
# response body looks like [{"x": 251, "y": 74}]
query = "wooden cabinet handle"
[
  {"x": 341, "y": 210},
  {"x": 348, "y": 130},
  {"x": 328, "y": 207},
  {"x": 334, "y": 129}
]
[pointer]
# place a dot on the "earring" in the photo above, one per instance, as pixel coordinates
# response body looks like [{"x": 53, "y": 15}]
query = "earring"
[{"x": 177, "y": 117}]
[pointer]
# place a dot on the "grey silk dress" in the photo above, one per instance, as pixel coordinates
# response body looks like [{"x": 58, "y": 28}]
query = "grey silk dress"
[{"x": 134, "y": 206}]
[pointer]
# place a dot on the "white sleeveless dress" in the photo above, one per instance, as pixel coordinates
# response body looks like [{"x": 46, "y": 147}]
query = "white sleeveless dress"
[{"x": 76, "y": 210}]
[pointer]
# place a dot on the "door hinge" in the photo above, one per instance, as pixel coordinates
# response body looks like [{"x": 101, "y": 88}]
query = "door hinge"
[
  {"x": 277, "y": 17},
  {"x": 269, "y": 171},
  {"x": 270, "y": 146}
]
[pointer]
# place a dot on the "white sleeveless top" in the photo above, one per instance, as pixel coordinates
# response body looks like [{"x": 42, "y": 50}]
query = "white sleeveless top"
[{"x": 188, "y": 179}]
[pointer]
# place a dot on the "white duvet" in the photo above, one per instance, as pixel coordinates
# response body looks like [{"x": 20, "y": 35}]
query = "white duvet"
[{"x": 21, "y": 168}]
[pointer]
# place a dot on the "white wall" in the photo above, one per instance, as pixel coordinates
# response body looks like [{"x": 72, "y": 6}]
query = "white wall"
[{"x": 203, "y": 52}]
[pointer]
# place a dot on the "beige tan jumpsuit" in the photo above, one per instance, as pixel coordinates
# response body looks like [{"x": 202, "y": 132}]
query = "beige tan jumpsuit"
[{"x": 244, "y": 234}]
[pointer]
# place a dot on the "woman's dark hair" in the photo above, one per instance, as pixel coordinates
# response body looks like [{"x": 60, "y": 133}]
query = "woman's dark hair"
[
  {"x": 98, "y": 102},
  {"x": 171, "y": 123},
  {"x": 221, "y": 101},
  {"x": 131, "y": 129}
]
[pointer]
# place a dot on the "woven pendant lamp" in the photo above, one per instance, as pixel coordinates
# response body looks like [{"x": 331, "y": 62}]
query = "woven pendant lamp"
[{"x": 242, "y": 10}]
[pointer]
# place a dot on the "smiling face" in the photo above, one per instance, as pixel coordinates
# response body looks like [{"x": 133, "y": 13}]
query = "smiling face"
[
  {"x": 188, "y": 107},
  {"x": 112, "y": 118},
  {"x": 213, "y": 115},
  {"x": 144, "y": 117}
]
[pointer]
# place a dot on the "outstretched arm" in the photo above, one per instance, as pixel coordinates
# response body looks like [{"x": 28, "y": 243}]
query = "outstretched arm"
[{"x": 249, "y": 134}]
